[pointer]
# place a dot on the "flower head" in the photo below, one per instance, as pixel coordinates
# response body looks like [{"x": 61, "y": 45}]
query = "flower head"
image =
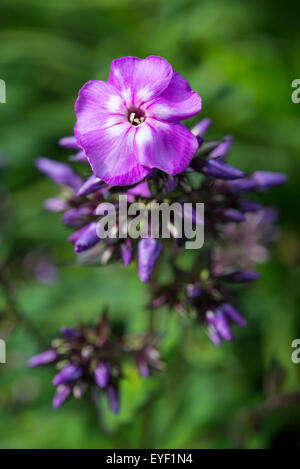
[{"x": 131, "y": 123}]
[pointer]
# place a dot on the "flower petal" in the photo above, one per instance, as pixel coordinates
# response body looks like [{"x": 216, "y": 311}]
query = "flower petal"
[
  {"x": 98, "y": 105},
  {"x": 112, "y": 154},
  {"x": 169, "y": 147},
  {"x": 177, "y": 102},
  {"x": 140, "y": 80}
]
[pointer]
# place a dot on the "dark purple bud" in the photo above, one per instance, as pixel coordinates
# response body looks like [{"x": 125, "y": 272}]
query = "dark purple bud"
[
  {"x": 148, "y": 253},
  {"x": 193, "y": 290},
  {"x": 62, "y": 393},
  {"x": 113, "y": 398},
  {"x": 70, "y": 334},
  {"x": 222, "y": 326},
  {"x": 69, "y": 142},
  {"x": 243, "y": 276},
  {"x": 220, "y": 170},
  {"x": 55, "y": 204},
  {"x": 43, "y": 358},
  {"x": 75, "y": 216},
  {"x": 92, "y": 184},
  {"x": 76, "y": 235},
  {"x": 127, "y": 252},
  {"x": 102, "y": 374},
  {"x": 141, "y": 189},
  {"x": 87, "y": 239},
  {"x": 266, "y": 180},
  {"x": 201, "y": 128},
  {"x": 67, "y": 374},
  {"x": 232, "y": 214},
  {"x": 223, "y": 148},
  {"x": 241, "y": 185},
  {"x": 171, "y": 184},
  {"x": 143, "y": 367},
  {"x": 233, "y": 314},
  {"x": 250, "y": 206},
  {"x": 60, "y": 173}
]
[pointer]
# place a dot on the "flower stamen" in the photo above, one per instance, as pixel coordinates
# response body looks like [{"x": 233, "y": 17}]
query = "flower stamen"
[{"x": 134, "y": 119}]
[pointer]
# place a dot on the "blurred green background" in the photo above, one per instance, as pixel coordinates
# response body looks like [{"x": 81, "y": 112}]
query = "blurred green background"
[{"x": 241, "y": 57}]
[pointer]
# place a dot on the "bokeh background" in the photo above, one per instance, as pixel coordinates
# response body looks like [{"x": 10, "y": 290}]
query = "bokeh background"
[{"x": 241, "y": 57}]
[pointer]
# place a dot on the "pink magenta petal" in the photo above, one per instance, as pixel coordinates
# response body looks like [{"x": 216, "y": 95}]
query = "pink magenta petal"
[
  {"x": 98, "y": 105},
  {"x": 176, "y": 103},
  {"x": 140, "y": 80},
  {"x": 169, "y": 147},
  {"x": 113, "y": 156}
]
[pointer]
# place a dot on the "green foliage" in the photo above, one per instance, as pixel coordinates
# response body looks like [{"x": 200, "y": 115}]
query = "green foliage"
[{"x": 241, "y": 57}]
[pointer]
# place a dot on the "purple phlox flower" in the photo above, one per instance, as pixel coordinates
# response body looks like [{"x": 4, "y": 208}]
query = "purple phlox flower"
[
  {"x": 43, "y": 358},
  {"x": 91, "y": 185},
  {"x": 70, "y": 333},
  {"x": 62, "y": 393},
  {"x": 113, "y": 397},
  {"x": 70, "y": 142},
  {"x": 148, "y": 253},
  {"x": 55, "y": 204},
  {"x": 102, "y": 374},
  {"x": 87, "y": 239},
  {"x": 67, "y": 374},
  {"x": 131, "y": 123},
  {"x": 220, "y": 170},
  {"x": 201, "y": 127},
  {"x": 60, "y": 173},
  {"x": 127, "y": 252}
]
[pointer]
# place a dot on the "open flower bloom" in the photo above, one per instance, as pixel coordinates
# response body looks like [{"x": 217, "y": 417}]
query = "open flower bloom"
[{"x": 131, "y": 123}]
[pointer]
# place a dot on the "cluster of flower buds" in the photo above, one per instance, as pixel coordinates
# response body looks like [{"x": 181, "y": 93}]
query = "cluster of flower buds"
[
  {"x": 92, "y": 358},
  {"x": 223, "y": 189}
]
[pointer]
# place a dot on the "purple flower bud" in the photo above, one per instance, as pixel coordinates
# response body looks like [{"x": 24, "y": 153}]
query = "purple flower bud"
[
  {"x": 266, "y": 180},
  {"x": 87, "y": 239},
  {"x": 70, "y": 334},
  {"x": 92, "y": 184},
  {"x": 221, "y": 170},
  {"x": 141, "y": 189},
  {"x": 201, "y": 128},
  {"x": 223, "y": 148},
  {"x": 43, "y": 358},
  {"x": 213, "y": 335},
  {"x": 148, "y": 253},
  {"x": 102, "y": 374},
  {"x": 193, "y": 290},
  {"x": 60, "y": 173},
  {"x": 55, "y": 204},
  {"x": 250, "y": 206},
  {"x": 171, "y": 184},
  {"x": 222, "y": 326},
  {"x": 61, "y": 394},
  {"x": 232, "y": 214},
  {"x": 127, "y": 252},
  {"x": 113, "y": 398},
  {"x": 143, "y": 367},
  {"x": 243, "y": 276},
  {"x": 69, "y": 142},
  {"x": 233, "y": 314},
  {"x": 76, "y": 235},
  {"x": 67, "y": 374},
  {"x": 241, "y": 185},
  {"x": 75, "y": 216},
  {"x": 80, "y": 156}
]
